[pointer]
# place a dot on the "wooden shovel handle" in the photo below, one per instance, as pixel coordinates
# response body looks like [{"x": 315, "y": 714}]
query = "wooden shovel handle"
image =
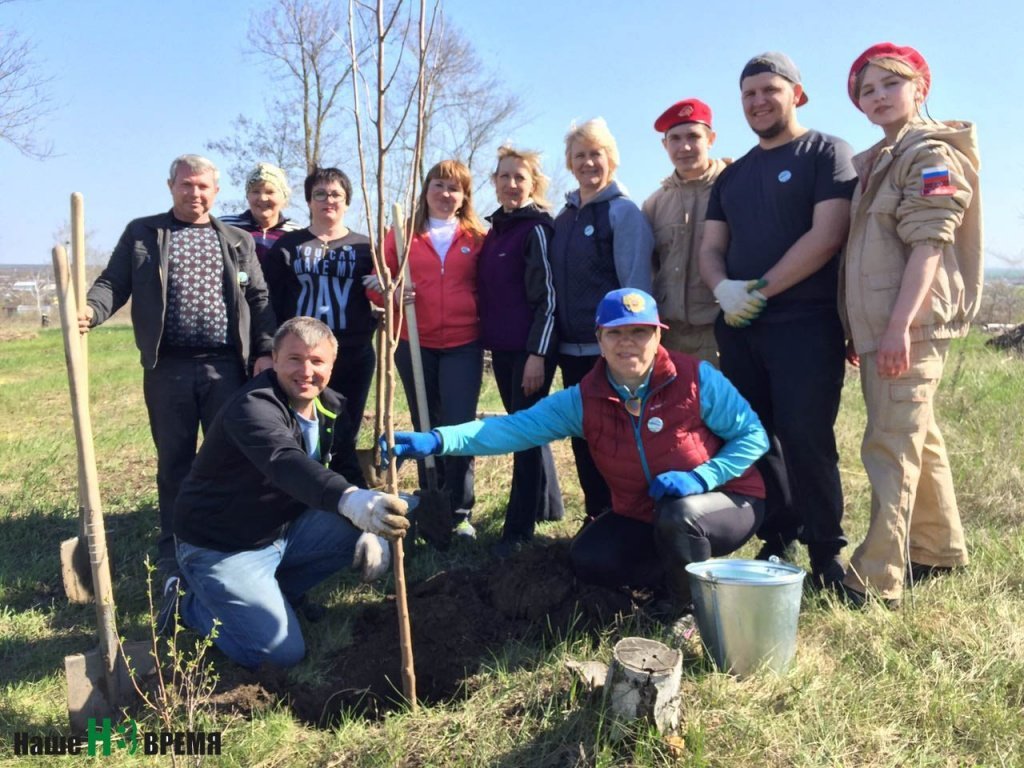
[
  {"x": 94, "y": 529},
  {"x": 414, "y": 352}
]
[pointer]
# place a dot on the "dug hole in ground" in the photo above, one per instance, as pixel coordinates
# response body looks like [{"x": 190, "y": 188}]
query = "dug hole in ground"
[{"x": 461, "y": 618}]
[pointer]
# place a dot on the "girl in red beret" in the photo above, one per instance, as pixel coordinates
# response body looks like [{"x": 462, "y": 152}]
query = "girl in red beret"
[{"x": 911, "y": 281}]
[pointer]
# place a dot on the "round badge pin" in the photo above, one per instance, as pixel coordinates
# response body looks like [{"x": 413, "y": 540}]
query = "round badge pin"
[
  {"x": 588, "y": 230},
  {"x": 465, "y": 249},
  {"x": 785, "y": 176},
  {"x": 655, "y": 424}
]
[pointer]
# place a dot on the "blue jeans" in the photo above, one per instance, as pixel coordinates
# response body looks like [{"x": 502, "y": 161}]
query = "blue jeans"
[{"x": 251, "y": 591}]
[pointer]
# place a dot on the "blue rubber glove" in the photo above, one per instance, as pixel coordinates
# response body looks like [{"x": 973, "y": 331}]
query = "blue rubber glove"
[
  {"x": 410, "y": 445},
  {"x": 676, "y": 484}
]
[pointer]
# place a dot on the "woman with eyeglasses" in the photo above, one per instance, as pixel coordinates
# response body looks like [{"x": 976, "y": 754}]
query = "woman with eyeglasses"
[
  {"x": 671, "y": 436},
  {"x": 317, "y": 272}
]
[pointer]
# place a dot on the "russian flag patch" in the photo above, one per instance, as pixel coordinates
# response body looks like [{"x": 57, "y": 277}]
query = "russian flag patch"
[{"x": 935, "y": 182}]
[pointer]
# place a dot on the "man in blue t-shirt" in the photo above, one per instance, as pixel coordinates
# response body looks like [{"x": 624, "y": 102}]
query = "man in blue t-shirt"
[{"x": 776, "y": 221}]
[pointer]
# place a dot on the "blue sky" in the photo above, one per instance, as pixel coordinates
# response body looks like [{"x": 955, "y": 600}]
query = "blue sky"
[{"x": 136, "y": 83}]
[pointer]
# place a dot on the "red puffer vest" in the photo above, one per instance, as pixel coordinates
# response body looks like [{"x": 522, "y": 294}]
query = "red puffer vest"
[{"x": 682, "y": 442}]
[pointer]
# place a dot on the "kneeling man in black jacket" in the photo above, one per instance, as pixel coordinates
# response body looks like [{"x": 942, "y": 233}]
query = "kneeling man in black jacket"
[{"x": 269, "y": 511}]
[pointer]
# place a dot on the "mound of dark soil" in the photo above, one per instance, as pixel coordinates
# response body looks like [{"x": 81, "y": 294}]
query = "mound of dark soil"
[{"x": 460, "y": 619}]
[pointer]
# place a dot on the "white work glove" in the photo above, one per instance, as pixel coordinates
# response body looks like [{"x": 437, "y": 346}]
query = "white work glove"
[
  {"x": 740, "y": 300},
  {"x": 372, "y": 282},
  {"x": 373, "y": 557},
  {"x": 376, "y": 512}
]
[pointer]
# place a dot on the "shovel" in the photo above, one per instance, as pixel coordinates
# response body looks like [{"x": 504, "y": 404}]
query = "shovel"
[
  {"x": 74, "y": 555},
  {"x": 433, "y": 515},
  {"x": 99, "y": 683}
]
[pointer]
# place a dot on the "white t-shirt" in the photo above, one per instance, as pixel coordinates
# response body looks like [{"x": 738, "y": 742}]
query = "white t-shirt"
[{"x": 442, "y": 232}]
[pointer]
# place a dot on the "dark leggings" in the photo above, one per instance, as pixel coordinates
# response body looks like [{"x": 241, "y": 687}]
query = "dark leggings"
[
  {"x": 597, "y": 499},
  {"x": 534, "y": 494},
  {"x": 452, "y": 380},
  {"x": 617, "y": 551},
  {"x": 351, "y": 377}
]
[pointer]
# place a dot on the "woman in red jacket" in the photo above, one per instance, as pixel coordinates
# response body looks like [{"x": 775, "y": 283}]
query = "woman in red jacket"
[{"x": 443, "y": 269}]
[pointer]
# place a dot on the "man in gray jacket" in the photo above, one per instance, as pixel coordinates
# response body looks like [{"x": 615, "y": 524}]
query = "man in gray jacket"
[{"x": 200, "y": 312}]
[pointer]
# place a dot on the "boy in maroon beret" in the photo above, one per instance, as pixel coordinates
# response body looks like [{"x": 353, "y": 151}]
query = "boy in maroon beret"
[{"x": 676, "y": 214}]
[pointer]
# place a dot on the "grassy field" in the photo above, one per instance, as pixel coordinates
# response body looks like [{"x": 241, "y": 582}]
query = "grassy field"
[{"x": 940, "y": 683}]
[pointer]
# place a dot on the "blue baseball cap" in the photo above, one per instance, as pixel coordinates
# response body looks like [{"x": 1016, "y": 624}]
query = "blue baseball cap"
[{"x": 627, "y": 306}]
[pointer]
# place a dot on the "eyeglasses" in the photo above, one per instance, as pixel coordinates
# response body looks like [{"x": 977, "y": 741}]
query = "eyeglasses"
[{"x": 321, "y": 195}]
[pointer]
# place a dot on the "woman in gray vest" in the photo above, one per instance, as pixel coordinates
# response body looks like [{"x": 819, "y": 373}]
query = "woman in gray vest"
[{"x": 601, "y": 242}]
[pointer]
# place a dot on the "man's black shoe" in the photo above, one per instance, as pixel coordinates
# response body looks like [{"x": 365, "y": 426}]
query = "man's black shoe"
[
  {"x": 851, "y": 598},
  {"x": 312, "y": 612},
  {"x": 506, "y": 548},
  {"x": 921, "y": 572},
  {"x": 784, "y": 550},
  {"x": 828, "y": 575},
  {"x": 666, "y": 610}
]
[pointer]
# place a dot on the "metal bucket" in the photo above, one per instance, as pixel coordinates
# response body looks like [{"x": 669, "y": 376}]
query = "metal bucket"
[{"x": 747, "y": 612}]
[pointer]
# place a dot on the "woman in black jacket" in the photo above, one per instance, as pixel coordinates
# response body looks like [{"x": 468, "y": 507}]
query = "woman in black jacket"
[{"x": 517, "y": 324}]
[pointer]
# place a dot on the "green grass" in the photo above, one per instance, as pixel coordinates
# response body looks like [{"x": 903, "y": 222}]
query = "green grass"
[{"x": 940, "y": 683}]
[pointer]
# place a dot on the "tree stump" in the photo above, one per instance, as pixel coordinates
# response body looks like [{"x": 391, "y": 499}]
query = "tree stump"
[{"x": 643, "y": 684}]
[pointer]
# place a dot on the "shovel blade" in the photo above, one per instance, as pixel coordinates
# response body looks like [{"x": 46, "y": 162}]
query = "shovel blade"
[
  {"x": 433, "y": 518},
  {"x": 76, "y": 570},
  {"x": 88, "y": 697}
]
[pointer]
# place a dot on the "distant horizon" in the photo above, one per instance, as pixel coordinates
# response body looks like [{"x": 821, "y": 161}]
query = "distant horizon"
[{"x": 1001, "y": 271}]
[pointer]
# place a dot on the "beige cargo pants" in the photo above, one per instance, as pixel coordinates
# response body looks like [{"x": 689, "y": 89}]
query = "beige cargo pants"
[
  {"x": 911, "y": 483},
  {"x": 696, "y": 340}
]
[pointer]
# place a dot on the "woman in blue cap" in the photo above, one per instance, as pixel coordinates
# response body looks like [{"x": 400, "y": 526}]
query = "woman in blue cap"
[{"x": 672, "y": 437}]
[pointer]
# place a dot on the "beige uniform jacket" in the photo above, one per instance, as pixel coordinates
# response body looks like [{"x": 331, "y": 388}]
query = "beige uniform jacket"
[
  {"x": 676, "y": 212},
  {"x": 922, "y": 189}
]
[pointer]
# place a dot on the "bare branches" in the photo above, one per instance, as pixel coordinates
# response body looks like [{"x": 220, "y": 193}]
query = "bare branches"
[
  {"x": 272, "y": 140},
  {"x": 24, "y": 102},
  {"x": 307, "y": 72},
  {"x": 296, "y": 38},
  {"x": 312, "y": 55},
  {"x": 467, "y": 109}
]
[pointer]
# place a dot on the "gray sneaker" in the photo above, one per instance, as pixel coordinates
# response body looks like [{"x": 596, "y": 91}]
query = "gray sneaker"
[
  {"x": 167, "y": 615},
  {"x": 465, "y": 529}
]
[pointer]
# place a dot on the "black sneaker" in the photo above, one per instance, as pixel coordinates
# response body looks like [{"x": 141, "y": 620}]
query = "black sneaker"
[
  {"x": 312, "y": 612},
  {"x": 666, "y": 610},
  {"x": 921, "y": 572},
  {"x": 785, "y": 551},
  {"x": 506, "y": 548},
  {"x": 166, "y": 617},
  {"x": 828, "y": 575},
  {"x": 851, "y": 598}
]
